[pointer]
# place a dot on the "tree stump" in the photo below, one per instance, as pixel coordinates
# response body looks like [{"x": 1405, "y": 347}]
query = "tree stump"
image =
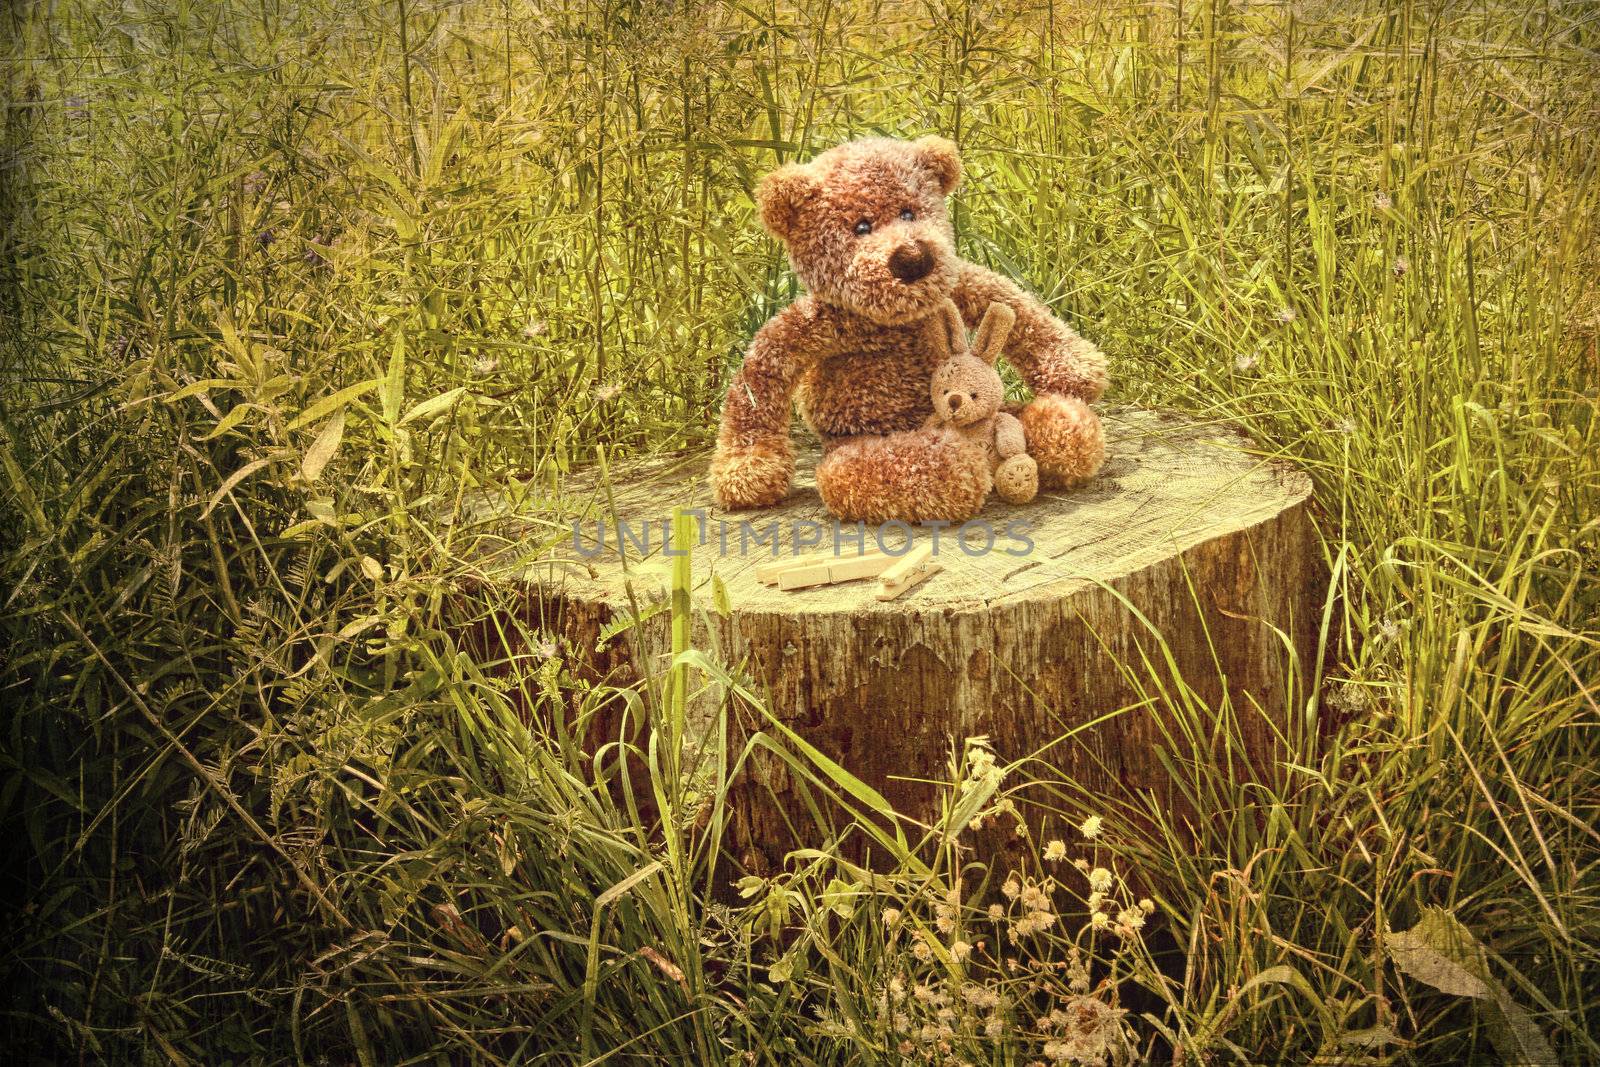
[{"x": 1185, "y": 525}]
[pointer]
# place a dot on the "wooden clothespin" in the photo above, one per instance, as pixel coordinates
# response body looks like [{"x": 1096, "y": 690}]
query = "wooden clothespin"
[
  {"x": 822, "y": 568},
  {"x": 907, "y": 572}
]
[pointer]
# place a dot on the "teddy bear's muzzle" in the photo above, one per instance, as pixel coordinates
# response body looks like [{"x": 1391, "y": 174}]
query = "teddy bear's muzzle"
[{"x": 911, "y": 262}]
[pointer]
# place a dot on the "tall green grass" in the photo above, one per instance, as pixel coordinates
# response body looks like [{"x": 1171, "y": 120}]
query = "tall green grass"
[{"x": 286, "y": 285}]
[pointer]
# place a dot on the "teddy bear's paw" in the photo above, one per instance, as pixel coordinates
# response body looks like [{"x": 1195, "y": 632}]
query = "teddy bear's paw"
[
  {"x": 1065, "y": 438},
  {"x": 751, "y": 477},
  {"x": 1016, "y": 480}
]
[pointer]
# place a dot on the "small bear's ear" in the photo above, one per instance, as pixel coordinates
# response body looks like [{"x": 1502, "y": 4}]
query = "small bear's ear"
[
  {"x": 938, "y": 156},
  {"x": 780, "y": 196},
  {"x": 993, "y": 331},
  {"x": 951, "y": 332}
]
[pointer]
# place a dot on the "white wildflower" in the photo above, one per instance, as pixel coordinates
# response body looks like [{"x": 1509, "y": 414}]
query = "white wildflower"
[
  {"x": 981, "y": 996},
  {"x": 1092, "y": 1031},
  {"x": 979, "y": 761},
  {"x": 1077, "y": 973}
]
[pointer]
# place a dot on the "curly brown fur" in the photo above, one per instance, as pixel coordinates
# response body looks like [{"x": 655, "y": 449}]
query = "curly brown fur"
[
  {"x": 913, "y": 475},
  {"x": 1065, "y": 438},
  {"x": 856, "y": 350}
]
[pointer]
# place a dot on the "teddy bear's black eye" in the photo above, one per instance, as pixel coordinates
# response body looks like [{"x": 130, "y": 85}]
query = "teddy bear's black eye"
[
  {"x": 863, "y": 227},
  {"x": 907, "y": 214}
]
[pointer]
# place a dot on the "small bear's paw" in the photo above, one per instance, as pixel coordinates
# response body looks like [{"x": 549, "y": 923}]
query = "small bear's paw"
[
  {"x": 1016, "y": 480},
  {"x": 754, "y": 477},
  {"x": 1065, "y": 438}
]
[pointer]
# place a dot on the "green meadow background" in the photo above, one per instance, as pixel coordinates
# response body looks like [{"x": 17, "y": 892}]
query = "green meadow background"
[{"x": 285, "y": 284}]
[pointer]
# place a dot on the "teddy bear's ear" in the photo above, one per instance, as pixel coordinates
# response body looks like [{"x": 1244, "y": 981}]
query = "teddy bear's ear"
[
  {"x": 780, "y": 196},
  {"x": 938, "y": 156},
  {"x": 993, "y": 331}
]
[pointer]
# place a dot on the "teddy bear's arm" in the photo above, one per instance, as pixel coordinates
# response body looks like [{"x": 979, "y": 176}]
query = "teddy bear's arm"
[
  {"x": 1048, "y": 353},
  {"x": 755, "y": 457},
  {"x": 1008, "y": 437}
]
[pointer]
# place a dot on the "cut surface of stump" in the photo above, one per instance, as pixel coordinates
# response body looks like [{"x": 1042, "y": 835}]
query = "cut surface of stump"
[{"x": 1186, "y": 526}]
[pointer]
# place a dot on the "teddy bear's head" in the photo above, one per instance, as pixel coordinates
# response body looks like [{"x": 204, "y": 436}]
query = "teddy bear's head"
[
  {"x": 966, "y": 386},
  {"x": 866, "y": 227}
]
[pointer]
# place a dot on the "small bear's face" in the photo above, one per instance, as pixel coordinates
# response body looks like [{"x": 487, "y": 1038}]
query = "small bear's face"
[
  {"x": 866, "y": 227},
  {"x": 966, "y": 390}
]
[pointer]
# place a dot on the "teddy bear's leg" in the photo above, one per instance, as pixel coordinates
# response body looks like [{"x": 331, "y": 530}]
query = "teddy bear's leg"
[
  {"x": 1065, "y": 438},
  {"x": 914, "y": 475},
  {"x": 1016, "y": 480}
]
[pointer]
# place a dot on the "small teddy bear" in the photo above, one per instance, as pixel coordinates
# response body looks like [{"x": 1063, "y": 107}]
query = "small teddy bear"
[{"x": 967, "y": 394}]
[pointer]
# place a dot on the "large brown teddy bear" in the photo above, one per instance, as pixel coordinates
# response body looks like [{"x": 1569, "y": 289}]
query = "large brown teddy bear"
[{"x": 868, "y": 236}]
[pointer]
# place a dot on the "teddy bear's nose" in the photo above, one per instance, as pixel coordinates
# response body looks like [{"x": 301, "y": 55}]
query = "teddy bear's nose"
[
  {"x": 954, "y": 400},
  {"x": 912, "y": 262}
]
